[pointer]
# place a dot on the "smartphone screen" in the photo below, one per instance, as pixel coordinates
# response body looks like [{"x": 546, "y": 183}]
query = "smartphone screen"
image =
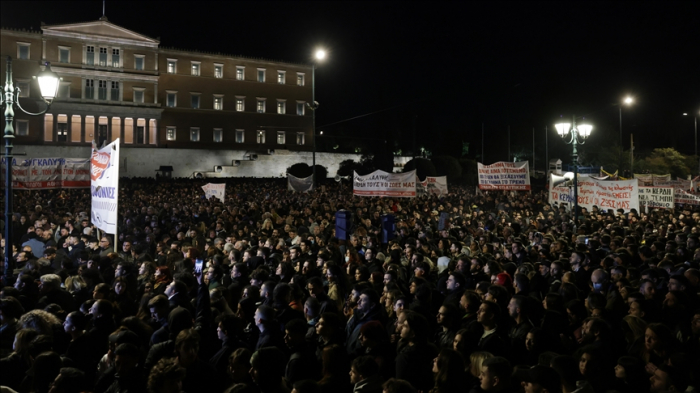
[{"x": 198, "y": 264}]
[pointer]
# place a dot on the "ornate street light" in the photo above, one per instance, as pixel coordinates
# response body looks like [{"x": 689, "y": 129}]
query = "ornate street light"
[
  {"x": 48, "y": 85},
  {"x": 582, "y": 131},
  {"x": 319, "y": 56}
]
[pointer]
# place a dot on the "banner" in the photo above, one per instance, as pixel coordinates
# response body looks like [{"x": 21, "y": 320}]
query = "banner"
[
  {"x": 297, "y": 184},
  {"x": 48, "y": 173},
  {"x": 656, "y": 197},
  {"x": 104, "y": 176},
  {"x": 649, "y": 180},
  {"x": 620, "y": 194},
  {"x": 215, "y": 190},
  {"x": 686, "y": 198},
  {"x": 433, "y": 185},
  {"x": 679, "y": 184},
  {"x": 504, "y": 176},
  {"x": 380, "y": 183}
]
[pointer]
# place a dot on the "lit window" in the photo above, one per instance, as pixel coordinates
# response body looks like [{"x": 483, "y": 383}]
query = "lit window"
[
  {"x": 218, "y": 71},
  {"x": 138, "y": 96},
  {"x": 103, "y": 57},
  {"x": 22, "y": 127},
  {"x": 115, "y": 91},
  {"x": 63, "y": 55},
  {"x": 300, "y": 79},
  {"x": 139, "y": 61},
  {"x": 240, "y": 104},
  {"x": 23, "y": 88},
  {"x": 172, "y": 66},
  {"x": 281, "y": 107},
  {"x": 195, "y": 101},
  {"x": 171, "y": 100},
  {"x": 218, "y": 102},
  {"x": 195, "y": 68},
  {"x": 261, "y": 75},
  {"x": 300, "y": 108},
  {"x": 90, "y": 89},
  {"x": 102, "y": 90},
  {"x": 218, "y": 135},
  {"x": 261, "y": 106},
  {"x": 240, "y": 136},
  {"x": 90, "y": 55},
  {"x": 240, "y": 73},
  {"x": 170, "y": 133},
  {"x": 22, "y": 51},
  {"x": 300, "y": 138},
  {"x": 261, "y": 136},
  {"x": 194, "y": 134},
  {"x": 115, "y": 58},
  {"x": 280, "y": 77},
  {"x": 280, "y": 137}
]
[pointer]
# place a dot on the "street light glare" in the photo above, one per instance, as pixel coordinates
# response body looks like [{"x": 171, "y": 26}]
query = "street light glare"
[
  {"x": 585, "y": 130},
  {"x": 628, "y": 100},
  {"x": 562, "y": 128},
  {"x": 320, "y": 54}
]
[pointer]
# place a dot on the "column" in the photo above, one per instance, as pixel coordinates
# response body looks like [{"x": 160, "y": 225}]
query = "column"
[
  {"x": 83, "y": 136},
  {"x": 121, "y": 125},
  {"x": 147, "y": 132},
  {"x": 69, "y": 123},
  {"x": 55, "y": 128},
  {"x": 109, "y": 128},
  {"x": 43, "y": 49},
  {"x": 155, "y": 93}
]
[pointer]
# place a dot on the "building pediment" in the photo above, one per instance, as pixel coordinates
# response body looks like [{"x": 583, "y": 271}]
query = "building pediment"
[{"x": 100, "y": 30}]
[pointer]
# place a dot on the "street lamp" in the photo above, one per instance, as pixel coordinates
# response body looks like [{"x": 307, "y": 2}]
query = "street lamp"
[
  {"x": 627, "y": 101},
  {"x": 696, "y": 137},
  {"x": 320, "y": 55},
  {"x": 582, "y": 130},
  {"x": 48, "y": 85}
]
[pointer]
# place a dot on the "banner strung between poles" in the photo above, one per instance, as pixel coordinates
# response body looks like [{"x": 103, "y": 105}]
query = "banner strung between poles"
[
  {"x": 380, "y": 183},
  {"x": 504, "y": 175}
]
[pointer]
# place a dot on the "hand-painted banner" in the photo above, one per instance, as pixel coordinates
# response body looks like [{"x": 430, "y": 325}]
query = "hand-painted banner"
[
  {"x": 620, "y": 194},
  {"x": 656, "y": 197},
  {"x": 300, "y": 184},
  {"x": 686, "y": 198},
  {"x": 215, "y": 190},
  {"x": 104, "y": 175},
  {"x": 504, "y": 176},
  {"x": 432, "y": 185},
  {"x": 48, "y": 173},
  {"x": 678, "y": 184},
  {"x": 649, "y": 180},
  {"x": 380, "y": 183}
]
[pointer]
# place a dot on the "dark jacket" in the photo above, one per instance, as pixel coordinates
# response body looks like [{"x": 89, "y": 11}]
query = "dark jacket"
[{"x": 414, "y": 364}]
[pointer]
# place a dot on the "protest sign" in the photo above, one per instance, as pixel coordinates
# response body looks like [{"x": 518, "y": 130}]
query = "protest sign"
[
  {"x": 678, "y": 184},
  {"x": 300, "y": 184},
  {"x": 48, "y": 173},
  {"x": 380, "y": 183},
  {"x": 656, "y": 197},
  {"x": 104, "y": 185},
  {"x": 432, "y": 185},
  {"x": 686, "y": 198},
  {"x": 620, "y": 194},
  {"x": 215, "y": 190},
  {"x": 504, "y": 176}
]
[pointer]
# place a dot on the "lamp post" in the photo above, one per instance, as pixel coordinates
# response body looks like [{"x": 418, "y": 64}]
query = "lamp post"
[
  {"x": 319, "y": 56},
  {"x": 696, "y": 137},
  {"x": 582, "y": 130},
  {"x": 48, "y": 84},
  {"x": 627, "y": 101}
]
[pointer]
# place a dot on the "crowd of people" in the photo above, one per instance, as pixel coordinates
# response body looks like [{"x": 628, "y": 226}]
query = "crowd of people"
[{"x": 473, "y": 292}]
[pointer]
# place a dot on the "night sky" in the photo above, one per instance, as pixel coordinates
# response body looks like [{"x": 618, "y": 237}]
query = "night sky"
[{"x": 444, "y": 68}]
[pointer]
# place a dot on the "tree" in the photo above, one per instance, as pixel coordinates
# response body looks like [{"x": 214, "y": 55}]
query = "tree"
[
  {"x": 666, "y": 160},
  {"x": 423, "y": 167},
  {"x": 447, "y": 166},
  {"x": 302, "y": 170},
  {"x": 347, "y": 167},
  {"x": 469, "y": 172}
]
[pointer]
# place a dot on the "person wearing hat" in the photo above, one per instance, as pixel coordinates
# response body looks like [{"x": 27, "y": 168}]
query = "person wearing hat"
[{"x": 541, "y": 379}]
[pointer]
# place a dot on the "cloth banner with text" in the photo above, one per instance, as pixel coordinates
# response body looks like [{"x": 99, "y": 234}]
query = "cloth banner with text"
[
  {"x": 678, "y": 184},
  {"x": 504, "y": 175},
  {"x": 649, "y": 180},
  {"x": 432, "y": 185},
  {"x": 297, "y": 184},
  {"x": 656, "y": 197},
  {"x": 104, "y": 177},
  {"x": 380, "y": 183},
  {"x": 620, "y": 194},
  {"x": 686, "y": 198},
  {"x": 215, "y": 190},
  {"x": 48, "y": 173}
]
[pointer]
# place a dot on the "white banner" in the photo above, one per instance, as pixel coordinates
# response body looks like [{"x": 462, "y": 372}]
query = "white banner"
[
  {"x": 649, "y": 180},
  {"x": 656, "y": 197},
  {"x": 504, "y": 176},
  {"x": 686, "y": 198},
  {"x": 215, "y": 190},
  {"x": 297, "y": 184},
  {"x": 432, "y": 185},
  {"x": 104, "y": 176},
  {"x": 620, "y": 194},
  {"x": 48, "y": 173},
  {"x": 380, "y": 183},
  {"x": 679, "y": 184}
]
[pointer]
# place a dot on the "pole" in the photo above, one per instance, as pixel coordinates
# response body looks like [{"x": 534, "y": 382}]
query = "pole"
[
  {"x": 696, "y": 142},
  {"x": 631, "y": 155},
  {"x": 574, "y": 133},
  {"x": 482, "y": 142},
  {"x": 508, "y": 144},
  {"x": 533, "y": 149},
  {"x": 415, "y": 165},
  {"x": 546, "y": 150},
  {"x": 9, "y": 138},
  {"x": 619, "y": 157},
  {"x": 313, "y": 121}
]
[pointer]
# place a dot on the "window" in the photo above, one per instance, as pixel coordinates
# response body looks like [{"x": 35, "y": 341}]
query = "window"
[
  {"x": 140, "y": 134},
  {"x": 62, "y": 128},
  {"x": 240, "y": 104},
  {"x": 103, "y": 57},
  {"x": 280, "y": 137},
  {"x": 194, "y": 134},
  {"x": 281, "y": 107},
  {"x": 172, "y": 99},
  {"x": 218, "y": 70},
  {"x": 195, "y": 100},
  {"x": 138, "y": 95},
  {"x": 102, "y": 90},
  {"x": 261, "y": 75},
  {"x": 218, "y": 102},
  {"x": 139, "y": 61},
  {"x": 64, "y": 90},
  {"x": 115, "y": 91},
  {"x": 63, "y": 54},
  {"x": 115, "y": 58},
  {"x": 195, "y": 68},
  {"x": 300, "y": 108},
  {"x": 22, "y": 51},
  {"x": 23, "y": 88},
  {"x": 22, "y": 127},
  {"x": 300, "y": 138},
  {"x": 300, "y": 79},
  {"x": 172, "y": 66},
  {"x": 240, "y": 136},
  {"x": 170, "y": 133},
  {"x": 90, "y": 55},
  {"x": 218, "y": 135},
  {"x": 240, "y": 73},
  {"x": 261, "y": 105},
  {"x": 281, "y": 77},
  {"x": 261, "y": 136},
  {"x": 90, "y": 89}
]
